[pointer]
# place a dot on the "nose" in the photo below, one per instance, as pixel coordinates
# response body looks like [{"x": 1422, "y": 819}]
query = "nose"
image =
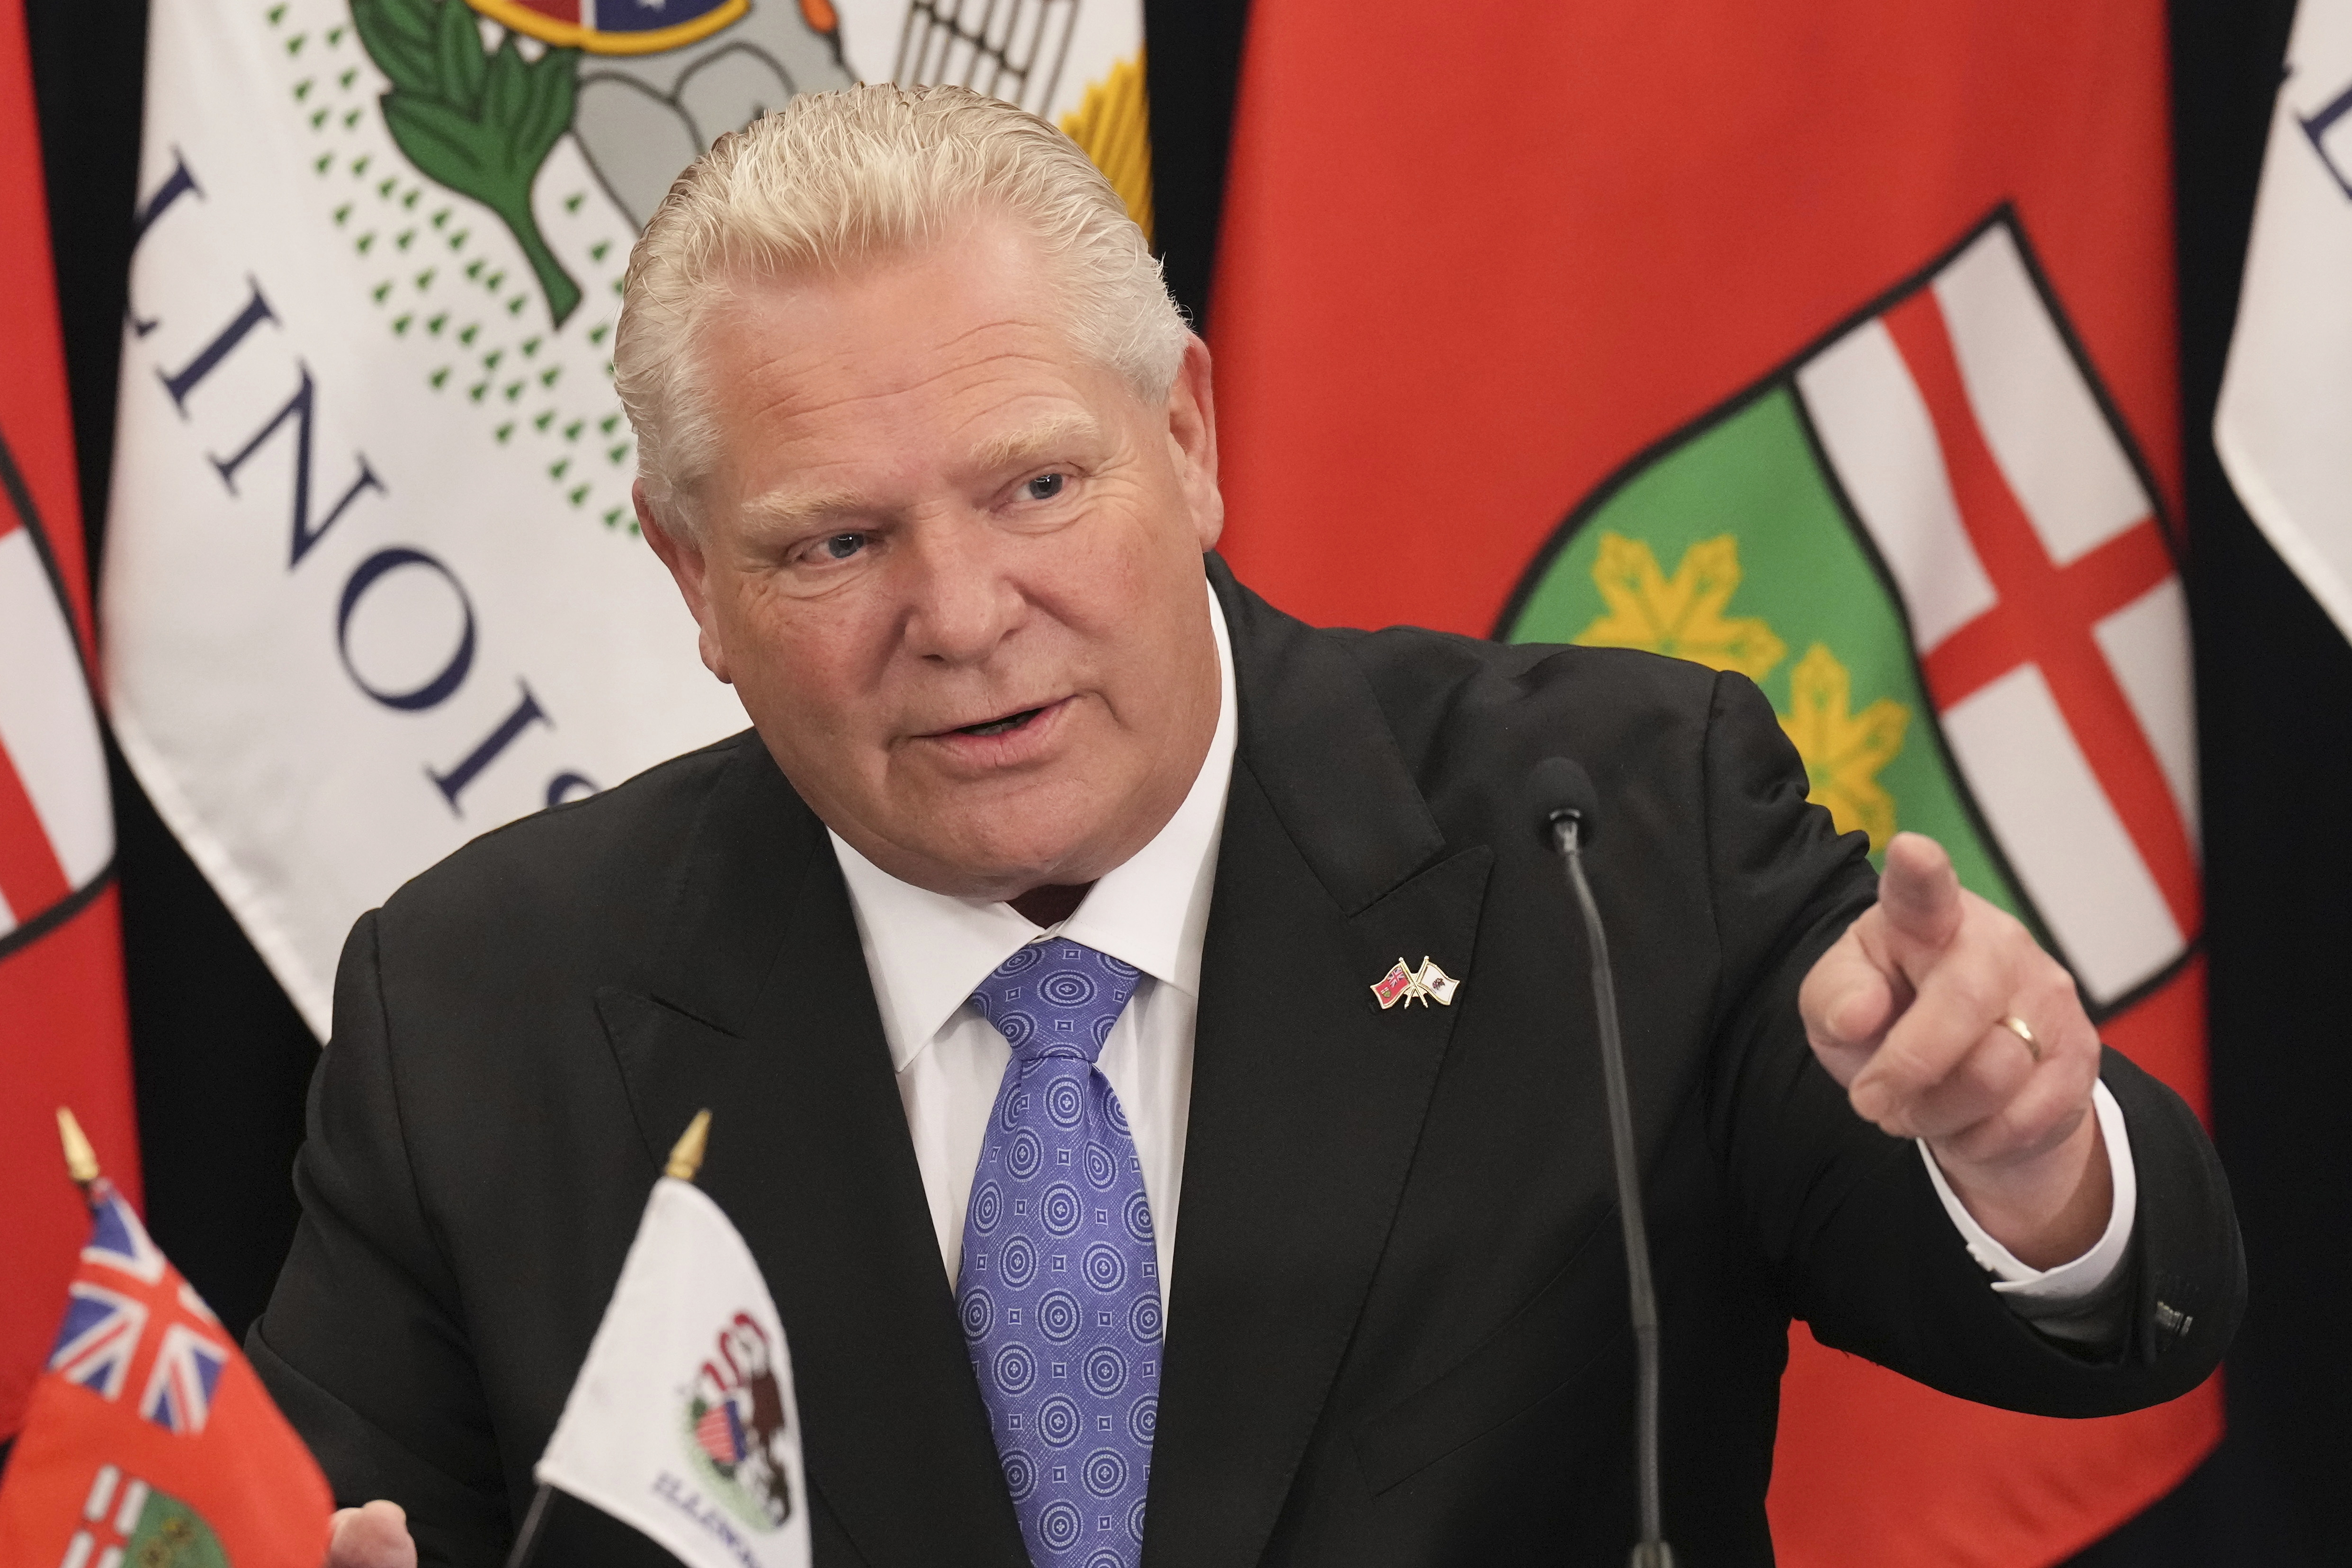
[{"x": 960, "y": 603}]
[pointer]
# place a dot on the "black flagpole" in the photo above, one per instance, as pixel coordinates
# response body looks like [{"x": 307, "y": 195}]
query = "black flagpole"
[{"x": 528, "y": 1538}]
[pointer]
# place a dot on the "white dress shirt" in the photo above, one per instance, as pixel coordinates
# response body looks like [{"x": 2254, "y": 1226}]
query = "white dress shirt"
[{"x": 926, "y": 952}]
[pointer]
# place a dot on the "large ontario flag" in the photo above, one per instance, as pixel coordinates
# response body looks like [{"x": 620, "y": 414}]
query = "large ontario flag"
[
  {"x": 64, "y": 1035},
  {"x": 1929, "y": 542},
  {"x": 1831, "y": 342},
  {"x": 373, "y": 581}
]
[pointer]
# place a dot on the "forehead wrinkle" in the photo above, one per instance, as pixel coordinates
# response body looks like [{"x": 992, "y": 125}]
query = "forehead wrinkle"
[
  {"x": 1007, "y": 345},
  {"x": 784, "y": 394},
  {"x": 788, "y": 505},
  {"x": 1014, "y": 321}
]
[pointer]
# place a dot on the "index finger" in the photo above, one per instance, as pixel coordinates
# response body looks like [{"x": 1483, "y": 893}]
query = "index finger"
[{"x": 1919, "y": 894}]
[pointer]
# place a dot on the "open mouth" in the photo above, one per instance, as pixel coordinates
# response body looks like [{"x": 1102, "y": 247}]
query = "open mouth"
[{"x": 1005, "y": 725}]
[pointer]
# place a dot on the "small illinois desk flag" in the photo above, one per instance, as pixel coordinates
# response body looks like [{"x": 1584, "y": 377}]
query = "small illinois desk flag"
[
  {"x": 149, "y": 1440},
  {"x": 683, "y": 1423}
]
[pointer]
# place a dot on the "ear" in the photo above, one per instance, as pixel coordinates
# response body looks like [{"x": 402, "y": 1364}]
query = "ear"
[
  {"x": 681, "y": 552},
  {"x": 1192, "y": 441}
]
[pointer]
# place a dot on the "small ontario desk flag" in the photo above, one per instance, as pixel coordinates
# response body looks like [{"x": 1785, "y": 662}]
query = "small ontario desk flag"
[
  {"x": 149, "y": 1442},
  {"x": 682, "y": 1422}
]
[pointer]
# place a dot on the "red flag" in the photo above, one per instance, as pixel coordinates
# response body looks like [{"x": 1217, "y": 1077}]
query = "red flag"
[
  {"x": 1832, "y": 342},
  {"x": 149, "y": 1439},
  {"x": 64, "y": 1037}
]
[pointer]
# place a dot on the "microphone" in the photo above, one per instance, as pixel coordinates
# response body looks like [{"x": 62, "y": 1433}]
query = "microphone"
[{"x": 1565, "y": 809}]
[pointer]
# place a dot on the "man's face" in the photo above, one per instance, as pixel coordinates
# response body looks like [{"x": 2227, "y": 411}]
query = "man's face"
[{"x": 953, "y": 569}]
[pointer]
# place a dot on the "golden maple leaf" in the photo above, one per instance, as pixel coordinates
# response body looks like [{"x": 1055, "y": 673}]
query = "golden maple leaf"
[
  {"x": 1844, "y": 750},
  {"x": 1680, "y": 615}
]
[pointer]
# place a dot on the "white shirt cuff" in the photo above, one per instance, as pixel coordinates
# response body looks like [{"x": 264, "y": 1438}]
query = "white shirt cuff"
[{"x": 2068, "y": 1283}]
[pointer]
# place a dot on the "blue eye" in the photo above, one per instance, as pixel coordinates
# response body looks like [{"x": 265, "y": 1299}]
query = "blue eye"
[
  {"x": 1046, "y": 486},
  {"x": 841, "y": 546}
]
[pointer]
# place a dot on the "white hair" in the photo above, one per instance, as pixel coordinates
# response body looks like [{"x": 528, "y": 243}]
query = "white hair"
[{"x": 875, "y": 173}]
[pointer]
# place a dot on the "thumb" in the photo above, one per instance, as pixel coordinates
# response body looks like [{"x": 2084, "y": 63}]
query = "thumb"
[
  {"x": 1919, "y": 896},
  {"x": 375, "y": 1536}
]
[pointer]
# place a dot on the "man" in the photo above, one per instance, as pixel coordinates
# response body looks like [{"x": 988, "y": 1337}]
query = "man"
[{"x": 1027, "y": 947}]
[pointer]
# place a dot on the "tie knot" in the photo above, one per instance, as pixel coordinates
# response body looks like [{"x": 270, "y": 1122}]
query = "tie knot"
[{"x": 1057, "y": 998}]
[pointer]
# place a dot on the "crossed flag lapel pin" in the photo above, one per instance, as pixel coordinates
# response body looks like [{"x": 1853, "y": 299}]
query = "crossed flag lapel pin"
[{"x": 1411, "y": 986}]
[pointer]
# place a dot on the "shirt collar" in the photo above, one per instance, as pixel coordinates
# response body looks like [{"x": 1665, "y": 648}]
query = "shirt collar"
[{"x": 926, "y": 951}]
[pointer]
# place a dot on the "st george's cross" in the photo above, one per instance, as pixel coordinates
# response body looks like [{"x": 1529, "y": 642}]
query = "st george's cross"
[
  {"x": 57, "y": 827},
  {"x": 1927, "y": 539},
  {"x": 133, "y": 1326},
  {"x": 2045, "y": 608}
]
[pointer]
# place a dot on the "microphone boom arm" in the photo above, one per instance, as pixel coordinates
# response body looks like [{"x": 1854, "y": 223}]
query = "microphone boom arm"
[{"x": 1642, "y": 1292}]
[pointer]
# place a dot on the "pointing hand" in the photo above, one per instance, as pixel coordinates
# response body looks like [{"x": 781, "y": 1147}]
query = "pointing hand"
[{"x": 1907, "y": 1012}]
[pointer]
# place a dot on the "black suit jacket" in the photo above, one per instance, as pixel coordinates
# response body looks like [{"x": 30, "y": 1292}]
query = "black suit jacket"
[{"x": 1397, "y": 1331}]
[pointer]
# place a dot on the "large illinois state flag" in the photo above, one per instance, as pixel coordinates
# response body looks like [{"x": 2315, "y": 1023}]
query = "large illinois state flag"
[
  {"x": 373, "y": 582},
  {"x": 1830, "y": 341},
  {"x": 63, "y": 1035}
]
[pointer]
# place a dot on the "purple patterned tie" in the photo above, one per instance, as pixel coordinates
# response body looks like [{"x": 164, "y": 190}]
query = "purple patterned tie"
[{"x": 1060, "y": 1287}]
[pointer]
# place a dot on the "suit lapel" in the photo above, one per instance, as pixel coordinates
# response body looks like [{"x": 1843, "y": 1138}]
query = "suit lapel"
[
  {"x": 1308, "y": 1097},
  {"x": 764, "y": 1013}
]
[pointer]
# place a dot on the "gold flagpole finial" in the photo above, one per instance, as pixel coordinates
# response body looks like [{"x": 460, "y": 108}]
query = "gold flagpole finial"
[
  {"x": 81, "y": 1160},
  {"x": 686, "y": 1155}
]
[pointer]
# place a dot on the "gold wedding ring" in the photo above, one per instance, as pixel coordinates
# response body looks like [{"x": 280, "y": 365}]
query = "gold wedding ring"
[{"x": 2017, "y": 1025}]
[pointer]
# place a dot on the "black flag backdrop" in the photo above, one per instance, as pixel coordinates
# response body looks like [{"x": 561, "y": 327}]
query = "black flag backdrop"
[{"x": 222, "y": 1061}]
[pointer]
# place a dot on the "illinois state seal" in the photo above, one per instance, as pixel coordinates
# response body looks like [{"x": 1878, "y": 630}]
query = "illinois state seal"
[
  {"x": 735, "y": 1432},
  {"x": 644, "y": 87}
]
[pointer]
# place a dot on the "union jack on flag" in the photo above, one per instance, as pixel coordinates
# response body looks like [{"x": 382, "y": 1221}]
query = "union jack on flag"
[
  {"x": 148, "y": 1439},
  {"x": 131, "y": 1321}
]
